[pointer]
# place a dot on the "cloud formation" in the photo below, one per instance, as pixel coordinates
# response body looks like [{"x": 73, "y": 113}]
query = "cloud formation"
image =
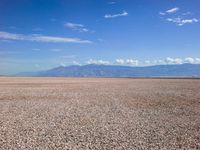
[
  {"x": 131, "y": 62},
  {"x": 170, "y": 60},
  {"x": 120, "y": 61},
  {"x": 170, "y": 11},
  {"x": 135, "y": 62},
  {"x": 109, "y": 16},
  {"x": 75, "y": 26},
  {"x": 98, "y": 62},
  {"x": 180, "y": 22},
  {"x": 40, "y": 38}
]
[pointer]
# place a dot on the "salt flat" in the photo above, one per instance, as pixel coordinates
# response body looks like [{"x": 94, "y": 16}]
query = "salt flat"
[{"x": 99, "y": 113}]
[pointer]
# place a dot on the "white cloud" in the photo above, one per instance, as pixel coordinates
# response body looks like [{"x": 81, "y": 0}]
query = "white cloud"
[
  {"x": 11, "y": 36},
  {"x": 147, "y": 62},
  {"x": 162, "y": 13},
  {"x": 123, "y": 14},
  {"x": 40, "y": 38},
  {"x": 180, "y": 22},
  {"x": 189, "y": 60},
  {"x": 169, "y": 60},
  {"x": 75, "y": 26},
  {"x": 169, "y": 11},
  {"x": 135, "y": 62},
  {"x": 184, "y": 21},
  {"x": 172, "y": 10},
  {"x": 120, "y": 61},
  {"x": 197, "y": 60},
  {"x": 98, "y": 62},
  {"x": 132, "y": 62}
]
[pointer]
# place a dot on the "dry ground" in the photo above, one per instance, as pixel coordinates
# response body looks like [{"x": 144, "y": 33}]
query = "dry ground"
[{"x": 91, "y": 113}]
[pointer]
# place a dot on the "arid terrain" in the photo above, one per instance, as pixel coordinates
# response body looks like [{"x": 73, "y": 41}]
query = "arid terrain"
[{"x": 99, "y": 113}]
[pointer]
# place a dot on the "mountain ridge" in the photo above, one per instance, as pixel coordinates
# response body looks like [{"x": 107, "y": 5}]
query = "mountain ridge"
[{"x": 93, "y": 70}]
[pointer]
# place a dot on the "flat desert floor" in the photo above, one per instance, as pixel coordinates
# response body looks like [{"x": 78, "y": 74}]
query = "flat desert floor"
[{"x": 99, "y": 113}]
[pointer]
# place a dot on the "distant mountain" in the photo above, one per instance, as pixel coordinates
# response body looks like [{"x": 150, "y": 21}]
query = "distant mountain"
[{"x": 183, "y": 70}]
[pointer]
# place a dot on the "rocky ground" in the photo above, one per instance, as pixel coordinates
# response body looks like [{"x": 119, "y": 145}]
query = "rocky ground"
[{"x": 99, "y": 113}]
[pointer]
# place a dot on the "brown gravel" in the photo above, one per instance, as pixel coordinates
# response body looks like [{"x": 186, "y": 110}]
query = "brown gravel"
[{"x": 99, "y": 113}]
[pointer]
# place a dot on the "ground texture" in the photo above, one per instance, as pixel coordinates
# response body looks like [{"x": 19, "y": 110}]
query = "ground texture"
[{"x": 97, "y": 113}]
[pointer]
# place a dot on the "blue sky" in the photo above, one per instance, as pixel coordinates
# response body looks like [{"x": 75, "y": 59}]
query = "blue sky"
[{"x": 42, "y": 34}]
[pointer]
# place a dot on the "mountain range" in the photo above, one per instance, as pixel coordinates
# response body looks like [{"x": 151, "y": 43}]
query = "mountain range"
[{"x": 93, "y": 70}]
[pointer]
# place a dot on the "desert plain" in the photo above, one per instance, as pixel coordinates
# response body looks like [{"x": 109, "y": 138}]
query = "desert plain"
[{"x": 99, "y": 113}]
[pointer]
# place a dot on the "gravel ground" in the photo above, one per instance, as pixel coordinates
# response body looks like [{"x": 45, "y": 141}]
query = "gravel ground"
[{"x": 99, "y": 113}]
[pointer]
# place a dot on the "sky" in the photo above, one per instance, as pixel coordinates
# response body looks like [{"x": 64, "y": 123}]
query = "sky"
[{"x": 43, "y": 34}]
